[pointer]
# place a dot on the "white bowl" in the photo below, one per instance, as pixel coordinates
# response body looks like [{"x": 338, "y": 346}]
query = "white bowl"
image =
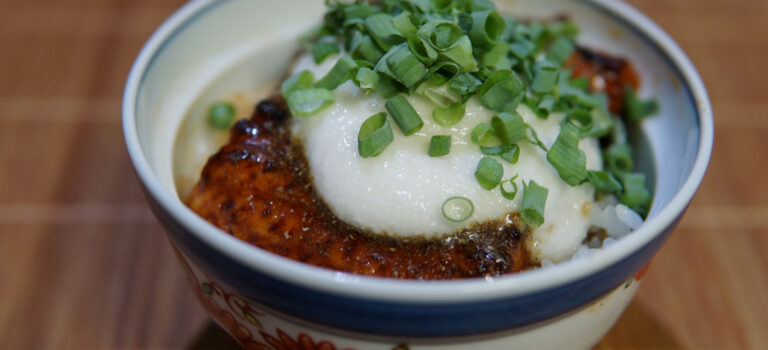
[{"x": 209, "y": 49}]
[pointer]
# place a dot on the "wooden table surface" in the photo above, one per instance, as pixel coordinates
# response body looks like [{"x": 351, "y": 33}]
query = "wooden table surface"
[{"x": 83, "y": 263}]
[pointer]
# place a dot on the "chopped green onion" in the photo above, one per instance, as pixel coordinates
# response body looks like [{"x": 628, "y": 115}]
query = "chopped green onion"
[
  {"x": 461, "y": 53},
  {"x": 383, "y": 31},
  {"x": 602, "y": 123},
  {"x": 487, "y": 28},
  {"x": 545, "y": 106},
  {"x": 488, "y": 173},
  {"x": 603, "y": 181},
  {"x": 442, "y": 35},
  {"x": 581, "y": 119},
  {"x": 565, "y": 155},
  {"x": 341, "y": 72},
  {"x": 457, "y": 209},
  {"x": 545, "y": 78},
  {"x": 483, "y": 135},
  {"x": 386, "y": 87},
  {"x": 509, "y": 127},
  {"x": 509, "y": 194},
  {"x": 481, "y": 5},
  {"x": 534, "y": 139},
  {"x": 299, "y": 81},
  {"x": 618, "y": 158},
  {"x": 404, "y": 115},
  {"x": 534, "y": 203},
  {"x": 404, "y": 66},
  {"x": 522, "y": 49},
  {"x": 321, "y": 50},
  {"x": 580, "y": 83},
  {"x": 439, "y": 145},
  {"x": 374, "y": 136},
  {"x": 403, "y": 24},
  {"x": 497, "y": 57},
  {"x": 444, "y": 5},
  {"x": 637, "y": 109},
  {"x": 361, "y": 10},
  {"x": 567, "y": 29},
  {"x": 367, "y": 50},
  {"x": 221, "y": 115},
  {"x": 635, "y": 195},
  {"x": 500, "y": 91},
  {"x": 421, "y": 49},
  {"x": 561, "y": 50},
  {"x": 366, "y": 79},
  {"x": 442, "y": 97},
  {"x": 450, "y": 115},
  {"x": 465, "y": 84},
  {"x": 443, "y": 71},
  {"x": 304, "y": 103},
  {"x": 510, "y": 153}
]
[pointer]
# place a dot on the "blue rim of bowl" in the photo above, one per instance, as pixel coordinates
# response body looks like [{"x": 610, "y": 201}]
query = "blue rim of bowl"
[{"x": 425, "y": 292}]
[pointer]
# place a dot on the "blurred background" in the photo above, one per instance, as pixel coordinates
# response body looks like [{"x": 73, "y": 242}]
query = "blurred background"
[{"x": 84, "y": 264}]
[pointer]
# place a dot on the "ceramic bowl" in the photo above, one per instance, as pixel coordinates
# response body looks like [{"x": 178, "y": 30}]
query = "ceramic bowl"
[{"x": 209, "y": 49}]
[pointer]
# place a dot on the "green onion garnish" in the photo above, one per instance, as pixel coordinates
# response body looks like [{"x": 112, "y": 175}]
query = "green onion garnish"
[
  {"x": 522, "y": 49},
  {"x": 618, "y": 158},
  {"x": 304, "y": 103},
  {"x": 534, "y": 201},
  {"x": 487, "y": 27},
  {"x": 497, "y": 57},
  {"x": 403, "y": 23},
  {"x": 565, "y": 155},
  {"x": 404, "y": 115},
  {"x": 374, "y": 136},
  {"x": 450, "y": 115},
  {"x": 509, "y": 127},
  {"x": 321, "y": 50},
  {"x": 483, "y": 135},
  {"x": 448, "y": 51},
  {"x": 534, "y": 139},
  {"x": 545, "y": 106},
  {"x": 421, "y": 49},
  {"x": 635, "y": 195},
  {"x": 367, "y": 50},
  {"x": 488, "y": 173},
  {"x": 637, "y": 109},
  {"x": 545, "y": 78},
  {"x": 366, "y": 79},
  {"x": 509, "y": 193},
  {"x": 458, "y": 209},
  {"x": 402, "y": 65},
  {"x": 581, "y": 119},
  {"x": 221, "y": 115},
  {"x": 465, "y": 84},
  {"x": 603, "y": 181},
  {"x": 441, "y": 35},
  {"x": 439, "y": 145},
  {"x": 510, "y": 153},
  {"x": 441, "y": 96},
  {"x": 561, "y": 50},
  {"x": 299, "y": 81},
  {"x": 341, "y": 72},
  {"x": 500, "y": 90},
  {"x": 383, "y": 31}
]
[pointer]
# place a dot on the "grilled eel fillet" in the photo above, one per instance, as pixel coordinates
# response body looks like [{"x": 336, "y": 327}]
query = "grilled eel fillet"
[{"x": 259, "y": 189}]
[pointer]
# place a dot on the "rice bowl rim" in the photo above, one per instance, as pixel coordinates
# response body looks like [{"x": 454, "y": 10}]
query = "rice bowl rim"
[{"x": 408, "y": 291}]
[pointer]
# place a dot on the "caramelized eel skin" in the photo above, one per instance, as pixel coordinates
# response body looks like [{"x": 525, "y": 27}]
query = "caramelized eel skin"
[
  {"x": 615, "y": 73},
  {"x": 258, "y": 189}
]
